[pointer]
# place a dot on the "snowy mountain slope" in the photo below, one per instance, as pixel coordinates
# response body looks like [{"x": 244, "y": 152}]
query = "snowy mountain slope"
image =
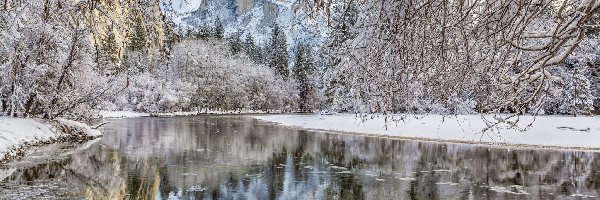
[{"x": 258, "y": 17}]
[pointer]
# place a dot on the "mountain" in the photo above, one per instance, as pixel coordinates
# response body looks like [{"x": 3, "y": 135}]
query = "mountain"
[
  {"x": 117, "y": 20},
  {"x": 258, "y": 17}
]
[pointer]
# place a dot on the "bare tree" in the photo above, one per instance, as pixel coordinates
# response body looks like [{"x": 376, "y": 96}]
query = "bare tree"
[
  {"x": 443, "y": 56},
  {"x": 49, "y": 70}
]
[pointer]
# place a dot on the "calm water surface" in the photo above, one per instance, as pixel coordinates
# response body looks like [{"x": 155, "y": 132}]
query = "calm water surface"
[{"x": 223, "y": 157}]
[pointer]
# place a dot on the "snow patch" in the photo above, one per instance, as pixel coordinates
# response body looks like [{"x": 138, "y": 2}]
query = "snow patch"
[
  {"x": 447, "y": 183},
  {"x": 546, "y": 131},
  {"x": 20, "y": 132},
  {"x": 80, "y": 128},
  {"x": 407, "y": 179},
  {"x": 132, "y": 114},
  {"x": 122, "y": 114},
  {"x": 513, "y": 189},
  {"x": 582, "y": 196},
  {"x": 339, "y": 168},
  {"x": 441, "y": 170}
]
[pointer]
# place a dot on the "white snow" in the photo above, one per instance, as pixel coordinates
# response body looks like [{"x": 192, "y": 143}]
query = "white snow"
[
  {"x": 133, "y": 114},
  {"x": 122, "y": 114},
  {"x": 547, "y": 131},
  {"x": 15, "y": 132},
  {"x": 83, "y": 128}
]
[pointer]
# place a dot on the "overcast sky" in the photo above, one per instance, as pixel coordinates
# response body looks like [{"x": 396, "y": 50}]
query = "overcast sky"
[{"x": 182, "y": 6}]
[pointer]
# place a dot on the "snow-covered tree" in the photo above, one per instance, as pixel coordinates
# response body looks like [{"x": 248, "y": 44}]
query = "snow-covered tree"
[
  {"x": 218, "y": 30},
  {"x": 48, "y": 67},
  {"x": 451, "y": 57},
  {"x": 572, "y": 93},
  {"x": 235, "y": 42},
  {"x": 203, "y": 32},
  {"x": 579, "y": 99},
  {"x": 137, "y": 37},
  {"x": 201, "y": 75},
  {"x": 109, "y": 55},
  {"x": 338, "y": 90},
  {"x": 278, "y": 57},
  {"x": 252, "y": 50},
  {"x": 303, "y": 72}
]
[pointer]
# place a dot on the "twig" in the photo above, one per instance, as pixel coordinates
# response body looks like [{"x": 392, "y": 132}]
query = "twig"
[{"x": 99, "y": 125}]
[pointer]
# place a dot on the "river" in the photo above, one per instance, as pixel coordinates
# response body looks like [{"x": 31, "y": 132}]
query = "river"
[{"x": 237, "y": 157}]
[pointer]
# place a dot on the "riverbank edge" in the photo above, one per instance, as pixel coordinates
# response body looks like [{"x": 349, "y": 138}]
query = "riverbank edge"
[
  {"x": 103, "y": 114},
  {"x": 508, "y": 146},
  {"x": 377, "y": 135},
  {"x": 21, "y": 132}
]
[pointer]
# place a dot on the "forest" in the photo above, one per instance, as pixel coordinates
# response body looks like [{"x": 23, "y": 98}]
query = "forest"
[{"x": 72, "y": 58}]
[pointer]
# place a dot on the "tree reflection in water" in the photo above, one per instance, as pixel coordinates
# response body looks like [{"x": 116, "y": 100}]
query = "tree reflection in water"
[{"x": 241, "y": 158}]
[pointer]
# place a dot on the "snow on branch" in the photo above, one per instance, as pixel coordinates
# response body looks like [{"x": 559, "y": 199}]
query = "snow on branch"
[{"x": 426, "y": 56}]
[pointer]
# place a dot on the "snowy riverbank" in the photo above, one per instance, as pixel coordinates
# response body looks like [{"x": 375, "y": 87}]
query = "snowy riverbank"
[
  {"x": 133, "y": 114},
  {"x": 19, "y": 133},
  {"x": 546, "y": 131}
]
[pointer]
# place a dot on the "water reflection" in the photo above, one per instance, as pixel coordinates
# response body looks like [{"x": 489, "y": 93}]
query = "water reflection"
[{"x": 240, "y": 158}]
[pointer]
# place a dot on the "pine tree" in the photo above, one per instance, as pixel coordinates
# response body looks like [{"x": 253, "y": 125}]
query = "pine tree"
[
  {"x": 189, "y": 33},
  {"x": 109, "y": 48},
  {"x": 203, "y": 32},
  {"x": 303, "y": 72},
  {"x": 278, "y": 58},
  {"x": 235, "y": 43},
  {"x": 582, "y": 92},
  {"x": 110, "y": 53},
  {"x": 251, "y": 49},
  {"x": 578, "y": 98},
  {"x": 264, "y": 53},
  {"x": 137, "y": 39},
  {"x": 218, "y": 30},
  {"x": 170, "y": 39},
  {"x": 270, "y": 48},
  {"x": 249, "y": 46}
]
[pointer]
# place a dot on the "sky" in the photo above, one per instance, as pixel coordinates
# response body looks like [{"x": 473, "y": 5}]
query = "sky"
[{"x": 182, "y": 6}]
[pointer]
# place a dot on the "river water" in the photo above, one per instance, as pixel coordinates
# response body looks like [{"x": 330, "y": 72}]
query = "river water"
[{"x": 236, "y": 157}]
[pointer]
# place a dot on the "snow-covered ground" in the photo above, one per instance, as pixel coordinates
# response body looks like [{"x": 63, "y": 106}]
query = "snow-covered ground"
[
  {"x": 122, "y": 114},
  {"x": 19, "y": 132},
  {"x": 133, "y": 114},
  {"x": 547, "y": 131}
]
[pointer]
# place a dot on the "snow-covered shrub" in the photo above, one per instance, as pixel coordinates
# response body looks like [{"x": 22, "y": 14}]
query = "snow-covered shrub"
[
  {"x": 231, "y": 83},
  {"x": 575, "y": 84},
  {"x": 571, "y": 93},
  {"x": 48, "y": 67},
  {"x": 484, "y": 54},
  {"x": 201, "y": 74}
]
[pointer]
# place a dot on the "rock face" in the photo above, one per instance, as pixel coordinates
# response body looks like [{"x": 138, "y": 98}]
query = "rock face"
[
  {"x": 119, "y": 17},
  {"x": 258, "y": 17}
]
